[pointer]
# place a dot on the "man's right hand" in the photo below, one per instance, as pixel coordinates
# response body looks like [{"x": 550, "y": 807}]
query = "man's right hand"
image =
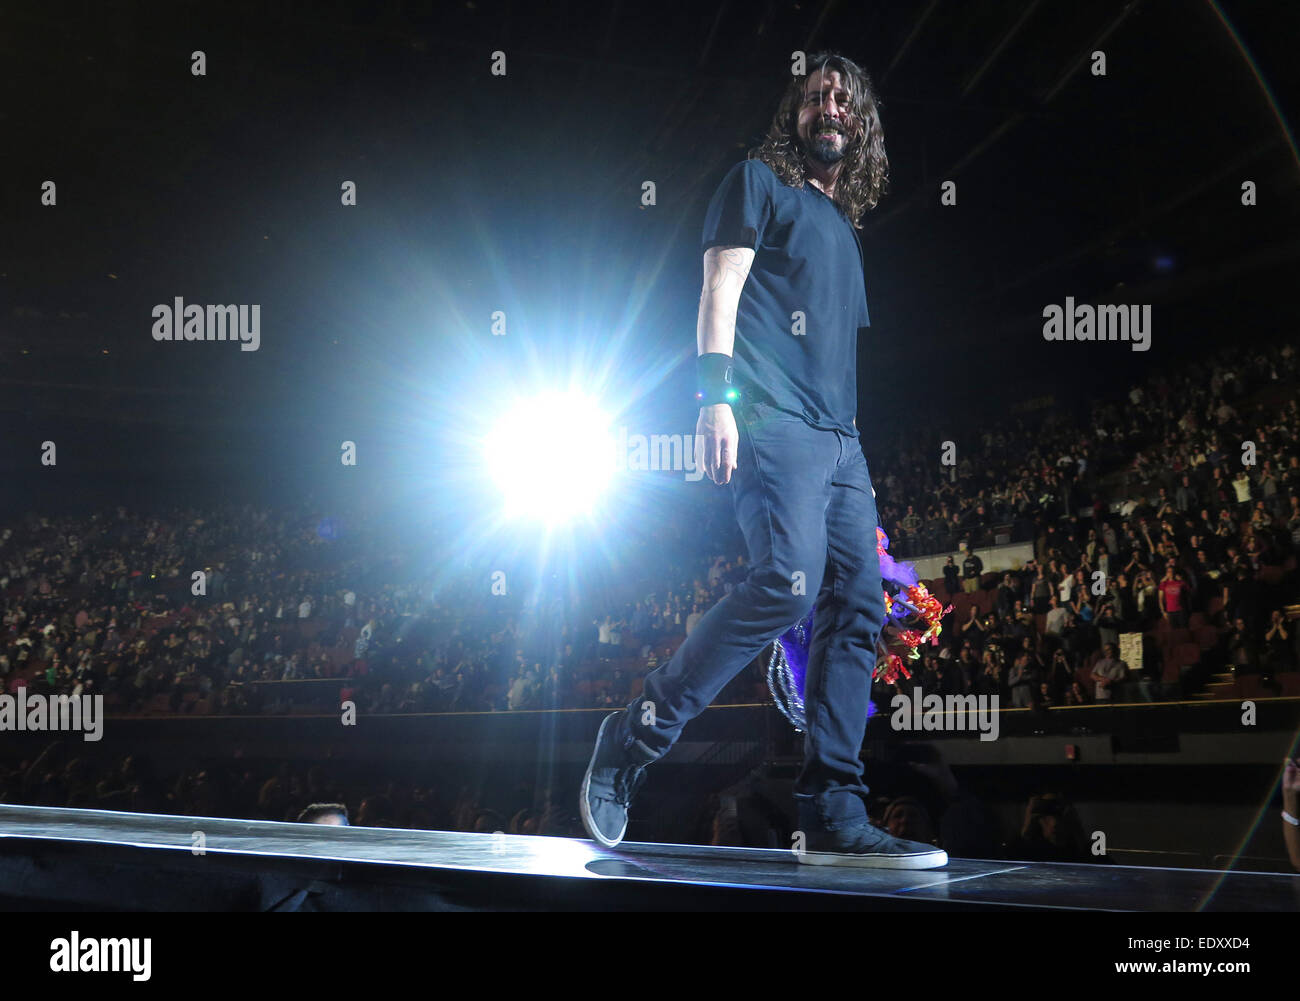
[{"x": 716, "y": 442}]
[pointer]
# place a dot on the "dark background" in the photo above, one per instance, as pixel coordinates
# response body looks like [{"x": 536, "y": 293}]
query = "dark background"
[{"x": 521, "y": 193}]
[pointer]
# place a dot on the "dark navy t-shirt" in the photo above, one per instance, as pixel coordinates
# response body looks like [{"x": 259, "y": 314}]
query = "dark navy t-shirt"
[{"x": 806, "y": 259}]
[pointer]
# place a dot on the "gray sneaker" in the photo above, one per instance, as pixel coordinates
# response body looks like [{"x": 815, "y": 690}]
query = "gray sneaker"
[
  {"x": 867, "y": 846},
  {"x": 614, "y": 774}
]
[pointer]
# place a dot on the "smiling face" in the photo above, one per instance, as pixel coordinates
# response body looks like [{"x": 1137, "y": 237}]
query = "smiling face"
[{"x": 826, "y": 117}]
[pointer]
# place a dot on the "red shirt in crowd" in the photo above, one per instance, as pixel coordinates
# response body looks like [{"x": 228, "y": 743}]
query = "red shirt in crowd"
[{"x": 1173, "y": 591}]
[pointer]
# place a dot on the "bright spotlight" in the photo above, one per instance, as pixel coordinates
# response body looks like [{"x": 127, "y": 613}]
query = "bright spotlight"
[{"x": 552, "y": 457}]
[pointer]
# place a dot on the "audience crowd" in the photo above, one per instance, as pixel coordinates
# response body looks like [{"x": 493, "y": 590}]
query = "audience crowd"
[
  {"x": 1143, "y": 518},
  {"x": 1176, "y": 516}
]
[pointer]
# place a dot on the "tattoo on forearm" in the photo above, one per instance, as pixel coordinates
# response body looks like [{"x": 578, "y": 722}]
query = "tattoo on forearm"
[{"x": 724, "y": 265}]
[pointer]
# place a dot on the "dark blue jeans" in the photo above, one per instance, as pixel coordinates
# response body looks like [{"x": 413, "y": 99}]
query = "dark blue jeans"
[{"x": 804, "y": 502}]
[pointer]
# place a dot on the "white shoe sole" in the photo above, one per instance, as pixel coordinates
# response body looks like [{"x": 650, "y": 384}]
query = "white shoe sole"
[{"x": 921, "y": 860}]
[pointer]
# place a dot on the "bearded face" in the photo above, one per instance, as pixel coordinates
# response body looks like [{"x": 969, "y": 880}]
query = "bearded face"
[{"x": 826, "y": 117}]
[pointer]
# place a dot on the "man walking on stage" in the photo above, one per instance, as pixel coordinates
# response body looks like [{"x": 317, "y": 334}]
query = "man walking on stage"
[{"x": 780, "y": 312}]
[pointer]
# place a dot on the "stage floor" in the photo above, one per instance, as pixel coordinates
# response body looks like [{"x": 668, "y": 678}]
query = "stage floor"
[{"x": 170, "y": 841}]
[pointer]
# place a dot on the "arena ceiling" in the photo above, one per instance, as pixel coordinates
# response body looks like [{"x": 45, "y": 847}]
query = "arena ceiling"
[{"x": 221, "y": 188}]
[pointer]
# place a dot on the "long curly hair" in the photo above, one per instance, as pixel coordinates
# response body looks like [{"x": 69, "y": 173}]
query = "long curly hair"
[{"x": 864, "y": 174}]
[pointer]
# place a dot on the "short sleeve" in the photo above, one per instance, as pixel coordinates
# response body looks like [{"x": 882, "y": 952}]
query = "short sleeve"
[
  {"x": 740, "y": 207},
  {"x": 864, "y": 321}
]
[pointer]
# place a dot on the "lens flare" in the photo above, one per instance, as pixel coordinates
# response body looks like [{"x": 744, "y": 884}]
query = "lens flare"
[{"x": 552, "y": 457}]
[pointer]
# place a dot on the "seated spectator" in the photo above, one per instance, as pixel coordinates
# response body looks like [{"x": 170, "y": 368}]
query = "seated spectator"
[
  {"x": 1051, "y": 833},
  {"x": 1056, "y": 618},
  {"x": 1107, "y": 673},
  {"x": 951, "y": 576},
  {"x": 1023, "y": 682},
  {"x": 335, "y": 814},
  {"x": 971, "y": 568},
  {"x": 1279, "y": 652},
  {"x": 906, "y": 818}
]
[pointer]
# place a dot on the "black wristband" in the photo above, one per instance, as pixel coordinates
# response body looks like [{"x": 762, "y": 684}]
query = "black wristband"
[{"x": 713, "y": 380}]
